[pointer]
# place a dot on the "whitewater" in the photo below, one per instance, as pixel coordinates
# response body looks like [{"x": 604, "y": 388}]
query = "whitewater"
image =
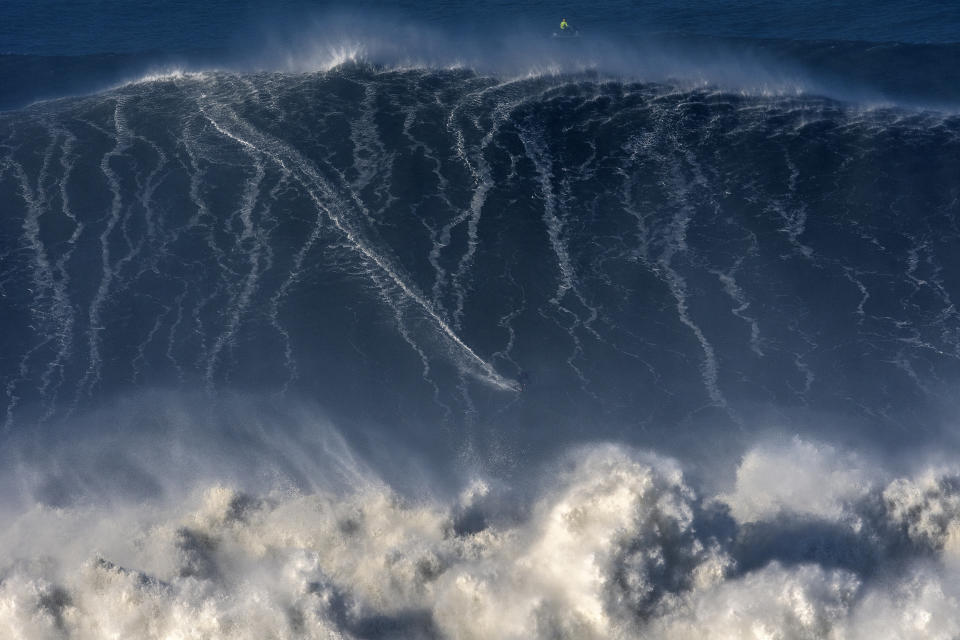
[{"x": 369, "y": 340}]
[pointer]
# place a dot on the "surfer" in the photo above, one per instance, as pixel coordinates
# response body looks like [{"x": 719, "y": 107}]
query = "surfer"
[{"x": 566, "y": 30}]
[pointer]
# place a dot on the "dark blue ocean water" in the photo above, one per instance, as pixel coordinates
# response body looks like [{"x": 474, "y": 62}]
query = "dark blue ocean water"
[
  {"x": 52, "y": 27},
  {"x": 415, "y": 321}
]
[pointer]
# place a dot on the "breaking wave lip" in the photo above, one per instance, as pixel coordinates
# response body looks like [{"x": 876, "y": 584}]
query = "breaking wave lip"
[
  {"x": 332, "y": 57},
  {"x": 164, "y": 74},
  {"x": 321, "y": 41},
  {"x": 616, "y": 542},
  {"x": 538, "y": 58},
  {"x": 738, "y": 66}
]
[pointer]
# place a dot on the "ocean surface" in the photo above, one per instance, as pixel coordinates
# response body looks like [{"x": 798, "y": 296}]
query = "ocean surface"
[{"x": 411, "y": 320}]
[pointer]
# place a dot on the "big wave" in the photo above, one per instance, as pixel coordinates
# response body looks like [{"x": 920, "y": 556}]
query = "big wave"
[
  {"x": 474, "y": 277},
  {"x": 448, "y": 237}
]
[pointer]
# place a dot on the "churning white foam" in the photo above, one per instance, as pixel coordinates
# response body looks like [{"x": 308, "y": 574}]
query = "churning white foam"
[
  {"x": 800, "y": 477},
  {"x": 619, "y": 545}
]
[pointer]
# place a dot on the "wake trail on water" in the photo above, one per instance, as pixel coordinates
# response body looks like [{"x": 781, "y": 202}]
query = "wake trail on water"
[{"x": 287, "y": 157}]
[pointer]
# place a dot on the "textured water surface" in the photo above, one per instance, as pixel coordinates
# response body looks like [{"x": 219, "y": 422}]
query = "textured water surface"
[{"x": 381, "y": 332}]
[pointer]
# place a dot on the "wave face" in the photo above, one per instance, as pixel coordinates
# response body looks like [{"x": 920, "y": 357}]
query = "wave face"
[
  {"x": 634, "y": 252},
  {"x": 471, "y": 277}
]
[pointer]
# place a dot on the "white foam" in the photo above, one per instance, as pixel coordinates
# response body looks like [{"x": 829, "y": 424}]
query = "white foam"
[
  {"x": 774, "y": 602},
  {"x": 799, "y": 477},
  {"x": 928, "y": 507},
  {"x": 614, "y": 546}
]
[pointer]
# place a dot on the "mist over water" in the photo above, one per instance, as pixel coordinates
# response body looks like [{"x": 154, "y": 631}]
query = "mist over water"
[
  {"x": 698, "y": 46},
  {"x": 419, "y": 323}
]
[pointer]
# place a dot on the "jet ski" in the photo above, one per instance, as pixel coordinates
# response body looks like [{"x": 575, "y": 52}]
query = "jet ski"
[{"x": 567, "y": 34}]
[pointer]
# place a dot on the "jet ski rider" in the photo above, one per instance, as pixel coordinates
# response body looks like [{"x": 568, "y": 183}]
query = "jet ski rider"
[{"x": 563, "y": 24}]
